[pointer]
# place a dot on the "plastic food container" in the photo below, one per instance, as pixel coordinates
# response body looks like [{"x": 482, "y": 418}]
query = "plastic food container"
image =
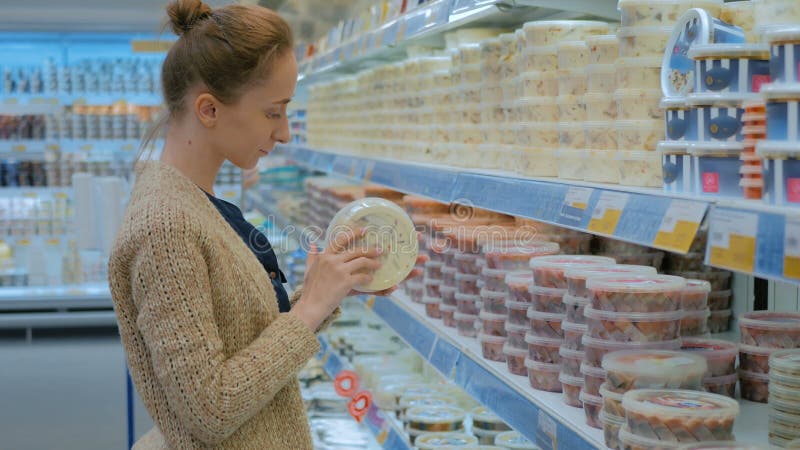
[
  {"x": 719, "y": 115},
  {"x": 516, "y": 335},
  {"x": 433, "y": 288},
  {"x": 635, "y": 293},
  {"x": 716, "y": 166},
  {"x": 494, "y": 279},
  {"x": 720, "y": 355},
  {"x": 602, "y": 79},
  {"x": 602, "y": 135},
  {"x": 786, "y": 363},
  {"x": 573, "y": 335},
  {"x": 432, "y": 441},
  {"x": 734, "y": 68},
  {"x": 571, "y": 361},
  {"x": 636, "y": 42},
  {"x": 594, "y": 377},
  {"x": 755, "y": 359},
  {"x": 448, "y": 295},
  {"x": 519, "y": 286},
  {"x": 516, "y": 258},
  {"x": 432, "y": 307},
  {"x": 601, "y": 167},
  {"x": 573, "y": 54},
  {"x": 782, "y": 106},
  {"x": 551, "y": 32},
  {"x": 543, "y": 376},
  {"x": 611, "y": 426},
  {"x": 723, "y": 385},
  {"x": 639, "y": 134},
  {"x": 653, "y": 369},
  {"x": 435, "y": 418},
  {"x": 781, "y": 171},
  {"x": 783, "y": 425},
  {"x": 639, "y": 168},
  {"x": 514, "y": 441},
  {"x": 603, "y": 48},
  {"x": 612, "y": 401},
  {"x": 754, "y": 386},
  {"x": 538, "y": 59},
  {"x": 592, "y": 407},
  {"x": 468, "y": 304},
  {"x": 785, "y": 54},
  {"x": 719, "y": 279},
  {"x": 680, "y": 415},
  {"x": 572, "y": 82},
  {"x": 660, "y": 12},
  {"x": 694, "y": 296},
  {"x": 638, "y": 73},
  {"x": 518, "y": 312},
  {"x": 485, "y": 420},
  {"x": 515, "y": 358},
  {"x": 629, "y": 441},
  {"x": 719, "y": 300},
  {"x": 600, "y": 107},
  {"x": 467, "y": 284},
  {"x": 571, "y": 108},
  {"x": 539, "y": 84},
  {"x": 493, "y": 324},
  {"x": 770, "y": 329},
  {"x": 493, "y": 301},
  {"x": 541, "y": 135},
  {"x": 433, "y": 270},
  {"x": 633, "y": 327},
  {"x": 467, "y": 263},
  {"x": 546, "y": 324},
  {"x": 549, "y": 300},
  {"x": 536, "y": 109},
  {"x": 571, "y": 388},
  {"x": 575, "y": 307},
  {"x": 680, "y": 120},
  {"x": 639, "y": 104},
  {"x": 449, "y": 276},
  {"x": 492, "y": 347},
  {"x": 448, "y": 315},
  {"x": 695, "y": 323},
  {"x": 415, "y": 291},
  {"x": 548, "y": 271},
  {"x": 571, "y": 164},
  {"x": 389, "y": 227},
  {"x": 465, "y": 323},
  {"x": 720, "y": 321}
]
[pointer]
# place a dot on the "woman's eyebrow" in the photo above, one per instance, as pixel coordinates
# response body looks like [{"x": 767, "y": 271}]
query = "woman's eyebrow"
[{"x": 282, "y": 102}]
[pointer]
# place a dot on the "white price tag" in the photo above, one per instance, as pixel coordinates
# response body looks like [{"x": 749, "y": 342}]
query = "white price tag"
[
  {"x": 578, "y": 197},
  {"x": 610, "y": 201},
  {"x": 792, "y": 238},
  {"x": 684, "y": 210},
  {"x": 726, "y": 222},
  {"x": 547, "y": 425}
]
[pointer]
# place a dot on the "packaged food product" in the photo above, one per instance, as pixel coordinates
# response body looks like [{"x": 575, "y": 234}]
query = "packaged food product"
[
  {"x": 573, "y": 54},
  {"x": 467, "y": 284},
  {"x": 572, "y": 82},
  {"x": 601, "y": 167},
  {"x": 593, "y": 377},
  {"x": 546, "y": 324},
  {"x": 540, "y": 33},
  {"x": 636, "y": 42},
  {"x": 539, "y": 59},
  {"x": 785, "y": 54},
  {"x": 734, "y": 68},
  {"x": 571, "y": 109},
  {"x": 412, "y": 400},
  {"x": 547, "y": 299},
  {"x": 653, "y": 369},
  {"x": 695, "y": 323},
  {"x": 542, "y": 135},
  {"x": 493, "y": 279},
  {"x": 492, "y": 347},
  {"x": 637, "y": 74},
  {"x": 432, "y": 288},
  {"x": 515, "y": 359},
  {"x": 516, "y": 335},
  {"x": 433, "y": 441},
  {"x": 388, "y": 227},
  {"x": 571, "y": 361},
  {"x": 514, "y": 441},
  {"x": 542, "y": 349},
  {"x": 781, "y": 99},
  {"x": 680, "y": 120},
  {"x": 635, "y": 293},
  {"x": 784, "y": 425},
  {"x": 680, "y": 415},
  {"x": 543, "y": 376},
  {"x": 602, "y": 135},
  {"x": 448, "y": 315},
  {"x": 493, "y": 301},
  {"x": 723, "y": 385},
  {"x": 519, "y": 286},
  {"x": 493, "y": 324},
  {"x": 638, "y": 105},
  {"x": 695, "y": 295},
  {"x": 639, "y": 168},
  {"x": 518, "y": 312},
  {"x": 432, "y": 307},
  {"x": 603, "y": 48},
  {"x": 468, "y": 304},
  {"x": 574, "y": 307},
  {"x": 633, "y": 327},
  {"x": 435, "y": 418},
  {"x": 433, "y": 270},
  {"x": 661, "y": 12},
  {"x": 548, "y": 271},
  {"x": 755, "y": 359},
  {"x": 466, "y": 263},
  {"x": 448, "y": 295},
  {"x": 786, "y": 363},
  {"x": 639, "y": 134},
  {"x": 601, "y": 79},
  {"x": 465, "y": 323},
  {"x": 573, "y": 334},
  {"x": 612, "y": 401},
  {"x": 719, "y": 279},
  {"x": 485, "y": 420},
  {"x": 720, "y": 321},
  {"x": 449, "y": 277},
  {"x": 415, "y": 291},
  {"x": 592, "y": 407},
  {"x": 600, "y": 106},
  {"x": 770, "y": 329},
  {"x": 611, "y": 426},
  {"x": 571, "y": 388},
  {"x": 720, "y": 355},
  {"x": 576, "y": 278},
  {"x": 630, "y": 441},
  {"x": 539, "y": 84},
  {"x": 571, "y": 163},
  {"x": 719, "y": 115},
  {"x": 754, "y": 386},
  {"x": 536, "y": 109}
]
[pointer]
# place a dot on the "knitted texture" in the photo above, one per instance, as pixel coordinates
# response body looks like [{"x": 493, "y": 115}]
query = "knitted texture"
[{"x": 213, "y": 360}]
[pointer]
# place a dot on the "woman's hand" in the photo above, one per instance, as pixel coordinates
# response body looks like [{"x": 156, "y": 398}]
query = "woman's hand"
[{"x": 415, "y": 273}]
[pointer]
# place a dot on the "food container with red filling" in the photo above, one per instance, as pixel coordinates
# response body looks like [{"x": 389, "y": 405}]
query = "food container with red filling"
[
  {"x": 611, "y": 426},
  {"x": 636, "y": 293},
  {"x": 694, "y": 296},
  {"x": 633, "y": 327},
  {"x": 720, "y": 321},
  {"x": 466, "y": 263},
  {"x": 546, "y": 324},
  {"x": 415, "y": 291},
  {"x": 770, "y": 329},
  {"x": 468, "y": 304},
  {"x": 492, "y": 347},
  {"x": 571, "y": 361},
  {"x": 542, "y": 349},
  {"x": 465, "y": 323},
  {"x": 612, "y": 401},
  {"x": 432, "y": 288},
  {"x": 719, "y": 300},
  {"x": 493, "y": 324},
  {"x": 755, "y": 359},
  {"x": 680, "y": 415},
  {"x": 593, "y": 377},
  {"x": 516, "y": 335},
  {"x": 448, "y": 315},
  {"x": 573, "y": 334},
  {"x": 519, "y": 283},
  {"x": 493, "y": 301},
  {"x": 517, "y": 258},
  {"x": 576, "y": 278},
  {"x": 547, "y": 299},
  {"x": 724, "y": 385},
  {"x": 653, "y": 369},
  {"x": 467, "y": 284},
  {"x": 571, "y": 388},
  {"x": 515, "y": 358},
  {"x": 629, "y": 441},
  {"x": 493, "y": 279},
  {"x": 695, "y": 323},
  {"x": 596, "y": 349},
  {"x": 448, "y": 296},
  {"x": 432, "y": 307},
  {"x": 754, "y": 386},
  {"x": 720, "y": 279},
  {"x": 543, "y": 376},
  {"x": 518, "y": 313},
  {"x": 575, "y": 307},
  {"x": 449, "y": 276},
  {"x": 548, "y": 271},
  {"x": 720, "y": 355},
  {"x": 592, "y": 406},
  {"x": 433, "y": 270}
]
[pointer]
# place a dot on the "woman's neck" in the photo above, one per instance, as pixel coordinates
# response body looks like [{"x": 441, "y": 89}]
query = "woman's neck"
[{"x": 191, "y": 154}]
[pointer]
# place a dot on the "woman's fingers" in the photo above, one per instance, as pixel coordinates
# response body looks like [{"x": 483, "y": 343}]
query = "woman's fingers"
[{"x": 343, "y": 238}]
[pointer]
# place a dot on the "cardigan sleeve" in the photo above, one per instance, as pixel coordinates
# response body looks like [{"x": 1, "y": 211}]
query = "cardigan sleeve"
[
  {"x": 334, "y": 315},
  {"x": 211, "y": 394}
]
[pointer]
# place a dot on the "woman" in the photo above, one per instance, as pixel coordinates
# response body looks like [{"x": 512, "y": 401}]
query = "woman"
[{"x": 213, "y": 342}]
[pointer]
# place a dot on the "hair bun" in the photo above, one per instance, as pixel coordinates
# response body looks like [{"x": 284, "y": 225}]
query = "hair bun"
[{"x": 185, "y": 14}]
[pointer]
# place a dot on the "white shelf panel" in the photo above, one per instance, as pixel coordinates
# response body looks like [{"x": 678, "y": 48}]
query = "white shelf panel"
[
  {"x": 58, "y": 320},
  {"x": 95, "y": 295}
]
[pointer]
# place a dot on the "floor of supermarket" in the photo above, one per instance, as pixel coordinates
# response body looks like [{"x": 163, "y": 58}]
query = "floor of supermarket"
[{"x": 65, "y": 391}]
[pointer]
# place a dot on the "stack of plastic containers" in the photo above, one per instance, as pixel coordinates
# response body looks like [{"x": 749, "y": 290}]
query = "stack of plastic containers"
[
  {"x": 434, "y": 441},
  {"x": 694, "y": 304},
  {"x": 514, "y": 441},
  {"x": 784, "y": 397},
  {"x": 627, "y": 253},
  {"x": 573, "y": 58},
  {"x": 721, "y": 356},
  {"x": 773, "y": 14},
  {"x": 430, "y": 419},
  {"x": 600, "y": 107},
  {"x": 762, "y": 334},
  {"x": 487, "y": 426},
  {"x": 754, "y": 129}
]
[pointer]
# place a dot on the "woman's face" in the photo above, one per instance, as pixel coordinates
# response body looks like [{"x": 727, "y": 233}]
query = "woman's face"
[{"x": 249, "y": 129}]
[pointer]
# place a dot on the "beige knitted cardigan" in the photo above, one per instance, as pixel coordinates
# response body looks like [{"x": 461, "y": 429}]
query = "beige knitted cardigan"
[{"x": 213, "y": 360}]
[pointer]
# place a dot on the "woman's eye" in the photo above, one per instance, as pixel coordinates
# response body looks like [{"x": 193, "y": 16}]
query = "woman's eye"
[{"x": 274, "y": 115}]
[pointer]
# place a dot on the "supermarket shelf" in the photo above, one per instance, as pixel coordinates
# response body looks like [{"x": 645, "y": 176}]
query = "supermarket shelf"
[
  {"x": 304, "y": 235},
  {"x": 61, "y": 298},
  {"x": 18, "y": 104},
  {"x": 37, "y": 148},
  {"x": 58, "y": 320},
  {"x": 539, "y": 416},
  {"x": 386, "y": 430}
]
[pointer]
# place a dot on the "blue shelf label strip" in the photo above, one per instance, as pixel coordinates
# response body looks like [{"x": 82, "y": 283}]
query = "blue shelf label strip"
[{"x": 417, "y": 335}]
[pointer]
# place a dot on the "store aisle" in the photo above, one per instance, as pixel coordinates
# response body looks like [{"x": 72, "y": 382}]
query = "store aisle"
[{"x": 64, "y": 392}]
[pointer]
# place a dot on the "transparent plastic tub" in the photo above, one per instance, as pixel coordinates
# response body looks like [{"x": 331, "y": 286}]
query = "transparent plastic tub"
[
  {"x": 538, "y": 59},
  {"x": 518, "y": 312},
  {"x": 719, "y": 115},
  {"x": 754, "y": 386},
  {"x": 575, "y": 307},
  {"x": 603, "y": 48},
  {"x": 492, "y": 347},
  {"x": 786, "y": 363},
  {"x": 433, "y": 270},
  {"x": 573, "y": 54},
  {"x": 592, "y": 407},
  {"x": 516, "y": 335},
  {"x": 720, "y": 355},
  {"x": 571, "y": 388},
  {"x": 448, "y": 315},
  {"x": 519, "y": 283},
  {"x": 720, "y": 279},
  {"x": 468, "y": 304},
  {"x": 602, "y": 135},
  {"x": 514, "y": 441},
  {"x": 720, "y": 300},
  {"x": 639, "y": 134},
  {"x": 448, "y": 277},
  {"x": 770, "y": 329},
  {"x": 733, "y": 68},
  {"x": 466, "y": 324},
  {"x": 785, "y": 51},
  {"x": 543, "y": 376},
  {"x": 493, "y": 301},
  {"x": 539, "y": 84},
  {"x": 435, "y": 418},
  {"x": 572, "y": 82},
  {"x": 548, "y": 271},
  {"x": 695, "y": 323},
  {"x": 639, "y": 168},
  {"x": 571, "y": 109},
  {"x": 720, "y": 321},
  {"x": 467, "y": 263},
  {"x": 661, "y": 12},
  {"x": 611, "y": 426},
  {"x": 636, "y": 42},
  {"x": 433, "y": 441},
  {"x": 639, "y": 105},
  {"x": 635, "y": 293},
  {"x": 549, "y": 300},
  {"x": 493, "y": 279},
  {"x": 537, "y": 135},
  {"x": 467, "y": 284},
  {"x": 515, "y": 359},
  {"x": 784, "y": 425},
  {"x": 755, "y": 359},
  {"x": 518, "y": 257},
  {"x": 485, "y": 420},
  {"x": 653, "y": 369},
  {"x": 571, "y": 163},
  {"x": 602, "y": 79},
  {"x": 629, "y": 441},
  {"x": 545, "y": 324},
  {"x": 573, "y": 335},
  {"x": 638, "y": 73},
  {"x": 612, "y": 401},
  {"x": 695, "y": 295},
  {"x": 633, "y": 327},
  {"x": 432, "y": 307},
  {"x": 533, "y": 162},
  {"x": 600, "y": 106},
  {"x": 723, "y": 385},
  {"x": 601, "y": 167},
  {"x": 536, "y": 109},
  {"x": 551, "y": 32},
  {"x": 680, "y": 121},
  {"x": 415, "y": 291},
  {"x": 493, "y": 324},
  {"x": 576, "y": 278},
  {"x": 571, "y": 361},
  {"x": 594, "y": 377},
  {"x": 680, "y": 415}
]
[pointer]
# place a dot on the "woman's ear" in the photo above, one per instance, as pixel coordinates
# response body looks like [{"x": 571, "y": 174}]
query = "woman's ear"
[{"x": 205, "y": 108}]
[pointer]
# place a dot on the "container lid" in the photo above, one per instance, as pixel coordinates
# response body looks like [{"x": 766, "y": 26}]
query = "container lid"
[
  {"x": 589, "y": 341},
  {"x": 672, "y": 148},
  {"x": 781, "y": 91},
  {"x": 778, "y": 150},
  {"x": 586, "y": 397},
  {"x": 434, "y": 264},
  {"x": 679, "y": 402},
  {"x": 605, "y": 393},
  {"x": 482, "y": 414},
  {"x": 721, "y": 445},
  {"x": 583, "y": 274},
  {"x": 693, "y": 285},
  {"x": 611, "y": 419},
  {"x": 570, "y": 353},
  {"x": 638, "y": 62},
  {"x": 514, "y": 441},
  {"x": 655, "y": 363},
  {"x": 716, "y": 148},
  {"x": 592, "y": 313},
  {"x": 709, "y": 348},
  {"x": 430, "y": 300},
  {"x": 641, "y": 31},
  {"x": 569, "y": 261},
  {"x": 546, "y": 291},
  {"x": 461, "y": 256},
  {"x": 486, "y": 315},
  {"x": 523, "y": 276},
  {"x": 637, "y": 155},
  {"x": 496, "y": 295},
  {"x": 595, "y": 39},
  {"x": 508, "y": 350},
  {"x": 528, "y": 250},
  {"x": 786, "y": 380},
  {"x": 572, "y": 300},
  {"x": 636, "y": 283},
  {"x": 749, "y": 170},
  {"x": 537, "y": 75},
  {"x": 544, "y": 24},
  {"x": 546, "y": 367},
  {"x": 720, "y": 294},
  {"x": 729, "y": 51},
  {"x": 722, "y": 313},
  {"x": 514, "y": 328},
  {"x": 783, "y": 424},
  {"x": 571, "y": 153},
  {"x": 550, "y": 317},
  {"x": 511, "y": 304},
  {"x": 435, "y": 414},
  {"x": 722, "y": 379},
  {"x": 633, "y": 3},
  {"x": 594, "y": 69},
  {"x": 593, "y": 371},
  {"x": 778, "y": 321},
  {"x": 729, "y": 99},
  {"x": 624, "y": 94},
  {"x": 566, "y": 325},
  {"x": 447, "y": 308},
  {"x": 630, "y": 440},
  {"x": 441, "y": 440},
  {"x": 673, "y": 103},
  {"x": 541, "y": 50},
  {"x": 702, "y": 314},
  {"x": 466, "y": 277},
  {"x": 467, "y": 297},
  {"x": 462, "y": 316},
  {"x": 786, "y": 361},
  {"x": 783, "y": 34},
  {"x": 605, "y": 124},
  {"x": 570, "y": 380},
  {"x": 491, "y": 339}
]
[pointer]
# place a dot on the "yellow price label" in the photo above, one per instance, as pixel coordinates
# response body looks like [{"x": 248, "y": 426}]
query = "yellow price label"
[
  {"x": 382, "y": 437},
  {"x": 732, "y": 239},
  {"x": 11, "y": 101},
  {"x": 53, "y": 147},
  {"x": 30, "y": 195},
  {"x": 61, "y": 195},
  {"x": 86, "y": 147},
  {"x": 791, "y": 249},
  {"x": 53, "y": 241},
  {"x": 24, "y": 242},
  {"x": 19, "y": 148},
  {"x": 370, "y": 302},
  {"x": 680, "y": 225},
  {"x": 127, "y": 147},
  {"x": 607, "y": 212},
  {"x": 229, "y": 194}
]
